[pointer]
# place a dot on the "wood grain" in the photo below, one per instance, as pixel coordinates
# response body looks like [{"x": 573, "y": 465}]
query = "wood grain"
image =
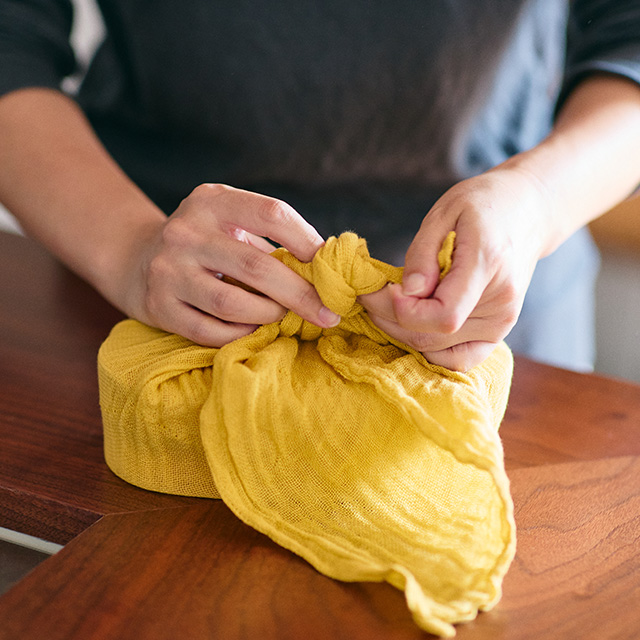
[
  {"x": 556, "y": 415},
  {"x": 577, "y": 568},
  {"x": 193, "y": 573},
  {"x": 198, "y": 572}
]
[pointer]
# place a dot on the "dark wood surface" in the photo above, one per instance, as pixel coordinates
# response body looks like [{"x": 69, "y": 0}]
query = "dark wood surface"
[{"x": 143, "y": 565}]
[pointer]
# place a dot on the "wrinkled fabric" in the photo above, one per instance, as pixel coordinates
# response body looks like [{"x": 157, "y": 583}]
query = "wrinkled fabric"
[{"x": 342, "y": 445}]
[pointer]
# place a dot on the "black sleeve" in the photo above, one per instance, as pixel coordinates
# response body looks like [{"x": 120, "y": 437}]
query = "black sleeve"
[
  {"x": 603, "y": 36},
  {"x": 34, "y": 43}
]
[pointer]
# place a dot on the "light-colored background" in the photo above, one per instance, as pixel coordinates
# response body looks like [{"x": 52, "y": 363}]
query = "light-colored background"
[{"x": 618, "y": 293}]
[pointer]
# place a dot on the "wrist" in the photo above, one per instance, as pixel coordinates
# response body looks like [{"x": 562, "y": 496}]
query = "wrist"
[
  {"x": 540, "y": 218},
  {"x": 117, "y": 270},
  {"x": 588, "y": 163}
]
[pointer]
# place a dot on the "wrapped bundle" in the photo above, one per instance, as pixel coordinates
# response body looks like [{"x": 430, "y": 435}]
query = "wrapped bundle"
[{"x": 342, "y": 445}]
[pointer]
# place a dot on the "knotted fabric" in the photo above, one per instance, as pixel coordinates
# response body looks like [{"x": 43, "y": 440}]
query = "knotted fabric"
[{"x": 342, "y": 445}]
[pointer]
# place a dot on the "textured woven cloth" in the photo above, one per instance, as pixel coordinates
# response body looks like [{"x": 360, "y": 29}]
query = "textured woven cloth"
[{"x": 341, "y": 444}]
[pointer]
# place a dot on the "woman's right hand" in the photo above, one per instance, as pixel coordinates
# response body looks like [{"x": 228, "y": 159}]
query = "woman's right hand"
[{"x": 174, "y": 277}]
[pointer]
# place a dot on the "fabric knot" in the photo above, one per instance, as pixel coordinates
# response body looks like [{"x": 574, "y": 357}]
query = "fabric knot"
[{"x": 342, "y": 270}]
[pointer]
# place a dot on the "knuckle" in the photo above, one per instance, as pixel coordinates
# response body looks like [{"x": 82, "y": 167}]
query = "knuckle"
[
  {"x": 197, "y": 331},
  {"x": 459, "y": 363},
  {"x": 276, "y": 213},
  {"x": 207, "y": 190},
  {"x": 253, "y": 263},
  {"x": 201, "y": 192},
  {"x": 450, "y": 323},
  {"x": 511, "y": 314},
  {"x": 223, "y": 302},
  {"x": 202, "y": 199},
  {"x": 307, "y": 297},
  {"x": 509, "y": 303},
  {"x": 510, "y": 291},
  {"x": 469, "y": 355},
  {"x": 158, "y": 270},
  {"x": 177, "y": 232},
  {"x": 452, "y": 359}
]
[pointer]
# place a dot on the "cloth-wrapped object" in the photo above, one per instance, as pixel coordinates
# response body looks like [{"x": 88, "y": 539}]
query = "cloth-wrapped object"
[{"x": 342, "y": 445}]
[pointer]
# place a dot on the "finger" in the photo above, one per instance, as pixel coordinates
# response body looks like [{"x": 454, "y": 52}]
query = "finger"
[
  {"x": 202, "y": 328},
  {"x": 452, "y": 302},
  {"x": 227, "y": 302},
  {"x": 461, "y": 357},
  {"x": 251, "y": 238},
  {"x": 270, "y": 218},
  {"x": 421, "y": 269},
  {"x": 379, "y": 303},
  {"x": 474, "y": 330},
  {"x": 440, "y": 349},
  {"x": 268, "y": 275},
  {"x": 260, "y": 243}
]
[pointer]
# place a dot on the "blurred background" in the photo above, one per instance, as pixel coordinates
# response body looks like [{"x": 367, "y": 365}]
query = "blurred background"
[{"x": 617, "y": 234}]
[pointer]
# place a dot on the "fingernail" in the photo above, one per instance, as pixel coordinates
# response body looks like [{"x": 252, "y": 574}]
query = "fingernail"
[
  {"x": 328, "y": 318},
  {"x": 414, "y": 285}
]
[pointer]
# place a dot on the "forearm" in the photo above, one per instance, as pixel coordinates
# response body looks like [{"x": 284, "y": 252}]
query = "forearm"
[
  {"x": 590, "y": 161},
  {"x": 67, "y": 192}
]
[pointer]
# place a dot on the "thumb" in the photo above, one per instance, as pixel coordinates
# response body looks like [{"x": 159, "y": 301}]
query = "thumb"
[{"x": 422, "y": 268}]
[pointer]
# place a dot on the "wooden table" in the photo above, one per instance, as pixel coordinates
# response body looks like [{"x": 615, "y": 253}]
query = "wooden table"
[{"x": 139, "y": 565}]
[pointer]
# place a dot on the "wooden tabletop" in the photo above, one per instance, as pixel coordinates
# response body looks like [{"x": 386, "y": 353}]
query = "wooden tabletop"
[{"x": 139, "y": 565}]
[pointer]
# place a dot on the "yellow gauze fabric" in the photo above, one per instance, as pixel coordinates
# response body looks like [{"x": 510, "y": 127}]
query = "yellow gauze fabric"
[{"x": 342, "y": 444}]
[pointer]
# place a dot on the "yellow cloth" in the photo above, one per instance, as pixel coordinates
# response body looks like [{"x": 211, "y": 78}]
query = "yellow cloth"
[{"x": 341, "y": 444}]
